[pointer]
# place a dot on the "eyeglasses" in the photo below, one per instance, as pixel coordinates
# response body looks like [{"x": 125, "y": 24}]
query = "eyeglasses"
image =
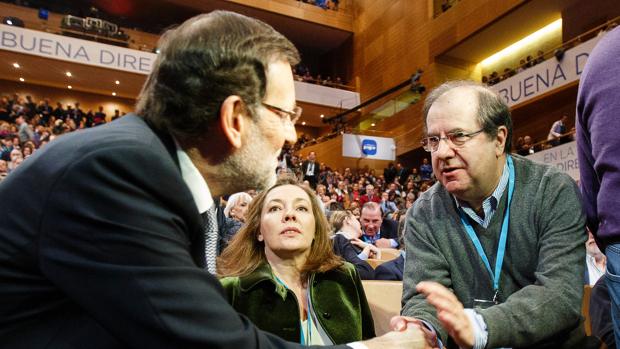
[
  {"x": 292, "y": 116},
  {"x": 457, "y": 139}
]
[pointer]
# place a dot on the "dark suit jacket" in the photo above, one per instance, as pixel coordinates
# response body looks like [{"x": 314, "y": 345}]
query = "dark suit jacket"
[
  {"x": 392, "y": 270},
  {"x": 316, "y": 170},
  {"x": 349, "y": 252},
  {"x": 101, "y": 246},
  {"x": 389, "y": 229}
]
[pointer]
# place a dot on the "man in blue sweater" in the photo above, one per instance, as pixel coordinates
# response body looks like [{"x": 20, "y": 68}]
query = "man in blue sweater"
[{"x": 598, "y": 147}]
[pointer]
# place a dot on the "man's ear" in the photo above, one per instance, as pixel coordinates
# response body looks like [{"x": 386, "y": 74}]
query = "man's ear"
[
  {"x": 232, "y": 120},
  {"x": 502, "y": 135}
]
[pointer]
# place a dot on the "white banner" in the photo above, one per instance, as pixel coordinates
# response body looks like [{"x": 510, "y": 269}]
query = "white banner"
[
  {"x": 74, "y": 50},
  {"x": 545, "y": 76},
  {"x": 367, "y": 147},
  {"x": 563, "y": 157}
]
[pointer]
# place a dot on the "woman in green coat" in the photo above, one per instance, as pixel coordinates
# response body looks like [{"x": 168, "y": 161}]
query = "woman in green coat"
[{"x": 280, "y": 271}]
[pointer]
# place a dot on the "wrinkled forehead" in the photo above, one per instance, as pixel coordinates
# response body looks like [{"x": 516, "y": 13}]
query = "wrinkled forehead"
[{"x": 455, "y": 109}]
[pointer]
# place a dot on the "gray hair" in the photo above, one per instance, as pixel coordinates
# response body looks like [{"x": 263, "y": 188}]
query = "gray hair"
[
  {"x": 492, "y": 111},
  {"x": 233, "y": 199}
]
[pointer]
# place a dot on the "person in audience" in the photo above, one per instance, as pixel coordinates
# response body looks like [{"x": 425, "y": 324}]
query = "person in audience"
[
  {"x": 370, "y": 195},
  {"x": 379, "y": 231},
  {"x": 347, "y": 244},
  {"x": 388, "y": 206},
  {"x": 595, "y": 262},
  {"x": 25, "y": 132},
  {"x": 483, "y": 275},
  {"x": 237, "y": 206},
  {"x": 114, "y": 251},
  {"x": 557, "y": 130},
  {"x": 310, "y": 168},
  {"x": 4, "y": 170},
  {"x": 598, "y": 102},
  {"x": 281, "y": 272},
  {"x": 426, "y": 170}
]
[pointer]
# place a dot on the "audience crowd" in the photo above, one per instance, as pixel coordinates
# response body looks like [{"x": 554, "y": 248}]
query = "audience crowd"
[{"x": 27, "y": 125}]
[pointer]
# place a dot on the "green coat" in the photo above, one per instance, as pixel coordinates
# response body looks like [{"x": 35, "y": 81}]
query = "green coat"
[{"x": 337, "y": 297}]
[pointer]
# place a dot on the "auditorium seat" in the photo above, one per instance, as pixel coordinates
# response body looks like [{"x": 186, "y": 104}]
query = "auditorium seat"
[
  {"x": 384, "y": 301},
  {"x": 374, "y": 263},
  {"x": 387, "y": 254}
]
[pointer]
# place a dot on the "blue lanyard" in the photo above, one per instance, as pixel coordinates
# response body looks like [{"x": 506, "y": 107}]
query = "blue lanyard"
[{"x": 501, "y": 248}]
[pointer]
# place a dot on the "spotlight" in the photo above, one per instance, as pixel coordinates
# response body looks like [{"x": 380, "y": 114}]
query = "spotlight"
[
  {"x": 16, "y": 65},
  {"x": 14, "y": 21},
  {"x": 156, "y": 50},
  {"x": 21, "y": 79},
  {"x": 113, "y": 93},
  {"x": 372, "y": 125},
  {"x": 303, "y": 123},
  {"x": 117, "y": 82},
  {"x": 68, "y": 74},
  {"x": 559, "y": 54},
  {"x": 69, "y": 87}
]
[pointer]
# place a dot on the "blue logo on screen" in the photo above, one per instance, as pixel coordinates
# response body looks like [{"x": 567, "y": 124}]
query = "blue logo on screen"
[{"x": 369, "y": 147}]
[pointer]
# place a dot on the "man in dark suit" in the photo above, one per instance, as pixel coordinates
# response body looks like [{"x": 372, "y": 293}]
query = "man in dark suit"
[
  {"x": 105, "y": 245},
  {"x": 310, "y": 168},
  {"x": 391, "y": 270},
  {"x": 379, "y": 231}
]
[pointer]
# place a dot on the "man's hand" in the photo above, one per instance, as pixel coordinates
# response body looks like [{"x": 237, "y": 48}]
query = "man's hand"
[
  {"x": 369, "y": 249},
  {"x": 383, "y": 243},
  {"x": 399, "y": 323},
  {"x": 408, "y": 338},
  {"x": 450, "y": 312}
]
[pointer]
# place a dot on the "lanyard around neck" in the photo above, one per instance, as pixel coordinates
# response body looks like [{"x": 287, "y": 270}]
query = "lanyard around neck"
[{"x": 501, "y": 248}]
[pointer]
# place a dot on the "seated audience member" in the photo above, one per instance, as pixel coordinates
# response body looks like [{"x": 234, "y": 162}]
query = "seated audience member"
[
  {"x": 600, "y": 314},
  {"x": 281, "y": 272},
  {"x": 595, "y": 262},
  {"x": 379, "y": 231},
  {"x": 237, "y": 206},
  {"x": 348, "y": 245},
  {"x": 387, "y": 206},
  {"x": 4, "y": 169},
  {"x": 370, "y": 195}
]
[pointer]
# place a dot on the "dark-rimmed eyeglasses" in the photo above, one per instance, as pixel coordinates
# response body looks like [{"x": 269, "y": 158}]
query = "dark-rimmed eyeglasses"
[
  {"x": 457, "y": 139},
  {"x": 291, "y": 116}
]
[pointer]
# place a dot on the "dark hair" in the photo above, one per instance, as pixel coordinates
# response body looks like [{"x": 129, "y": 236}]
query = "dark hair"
[
  {"x": 245, "y": 253},
  {"x": 206, "y": 59},
  {"x": 492, "y": 111}
]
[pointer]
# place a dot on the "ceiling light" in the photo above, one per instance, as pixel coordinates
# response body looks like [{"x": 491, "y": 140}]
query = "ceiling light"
[
  {"x": 16, "y": 65},
  {"x": 117, "y": 82},
  {"x": 113, "y": 93},
  {"x": 303, "y": 123},
  {"x": 21, "y": 79},
  {"x": 322, "y": 116},
  {"x": 526, "y": 41},
  {"x": 68, "y": 74},
  {"x": 372, "y": 125},
  {"x": 69, "y": 87}
]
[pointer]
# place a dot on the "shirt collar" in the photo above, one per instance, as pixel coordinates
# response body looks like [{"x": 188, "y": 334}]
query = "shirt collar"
[
  {"x": 489, "y": 204},
  {"x": 195, "y": 182}
]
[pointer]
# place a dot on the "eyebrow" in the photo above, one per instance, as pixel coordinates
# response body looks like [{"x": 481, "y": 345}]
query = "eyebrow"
[
  {"x": 296, "y": 200},
  {"x": 454, "y": 130}
]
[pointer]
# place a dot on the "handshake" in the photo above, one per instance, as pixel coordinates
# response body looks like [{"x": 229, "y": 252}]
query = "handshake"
[{"x": 406, "y": 333}]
